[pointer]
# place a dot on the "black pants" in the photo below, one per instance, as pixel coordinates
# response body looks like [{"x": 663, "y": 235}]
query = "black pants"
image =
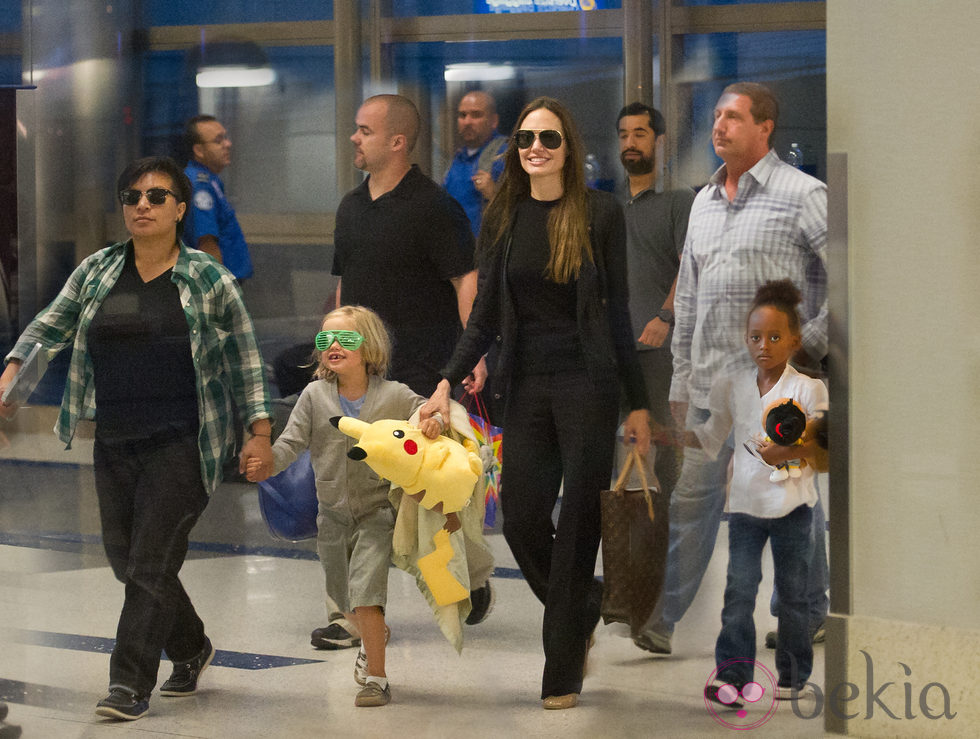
[
  {"x": 150, "y": 496},
  {"x": 559, "y": 427}
]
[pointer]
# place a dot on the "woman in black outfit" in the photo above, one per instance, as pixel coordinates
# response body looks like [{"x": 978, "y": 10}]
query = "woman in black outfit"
[
  {"x": 553, "y": 295},
  {"x": 161, "y": 347}
]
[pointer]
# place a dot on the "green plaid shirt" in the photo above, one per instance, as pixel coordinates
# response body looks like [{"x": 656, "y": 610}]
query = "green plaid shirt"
[{"x": 226, "y": 356}]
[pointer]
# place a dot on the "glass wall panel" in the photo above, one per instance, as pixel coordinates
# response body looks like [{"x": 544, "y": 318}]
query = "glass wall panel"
[
  {"x": 585, "y": 74},
  {"x": 10, "y": 43},
  {"x": 281, "y": 178},
  {"x": 197, "y": 13},
  {"x": 283, "y": 134},
  {"x": 792, "y": 63}
]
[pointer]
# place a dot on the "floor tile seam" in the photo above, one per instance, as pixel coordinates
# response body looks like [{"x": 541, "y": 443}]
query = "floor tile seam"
[{"x": 104, "y": 645}]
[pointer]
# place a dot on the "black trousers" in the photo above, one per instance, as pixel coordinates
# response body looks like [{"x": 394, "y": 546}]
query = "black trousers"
[
  {"x": 560, "y": 427},
  {"x": 150, "y": 496}
]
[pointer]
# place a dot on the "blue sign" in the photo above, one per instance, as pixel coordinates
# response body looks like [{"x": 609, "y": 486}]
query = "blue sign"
[{"x": 540, "y": 6}]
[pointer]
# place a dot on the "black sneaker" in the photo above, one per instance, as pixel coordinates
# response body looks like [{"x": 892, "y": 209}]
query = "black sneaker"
[
  {"x": 183, "y": 679},
  {"x": 722, "y": 693},
  {"x": 7, "y": 731},
  {"x": 481, "y": 603},
  {"x": 122, "y": 704},
  {"x": 334, "y": 636}
]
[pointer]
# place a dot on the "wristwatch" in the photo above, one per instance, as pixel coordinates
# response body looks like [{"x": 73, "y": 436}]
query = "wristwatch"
[{"x": 666, "y": 315}]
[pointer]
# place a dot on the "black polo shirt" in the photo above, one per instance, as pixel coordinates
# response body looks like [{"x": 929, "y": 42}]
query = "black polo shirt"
[{"x": 396, "y": 256}]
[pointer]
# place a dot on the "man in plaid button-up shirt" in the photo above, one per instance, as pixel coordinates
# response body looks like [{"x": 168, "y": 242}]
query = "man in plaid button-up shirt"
[{"x": 757, "y": 219}]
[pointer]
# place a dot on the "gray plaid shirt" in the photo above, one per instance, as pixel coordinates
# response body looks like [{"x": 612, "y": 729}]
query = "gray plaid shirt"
[
  {"x": 226, "y": 356},
  {"x": 775, "y": 228}
]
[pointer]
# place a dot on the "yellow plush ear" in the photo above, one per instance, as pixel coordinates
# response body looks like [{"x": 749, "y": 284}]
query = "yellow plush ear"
[{"x": 351, "y": 426}]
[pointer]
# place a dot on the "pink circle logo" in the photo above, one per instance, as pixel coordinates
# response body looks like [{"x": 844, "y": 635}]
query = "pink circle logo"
[{"x": 745, "y": 709}]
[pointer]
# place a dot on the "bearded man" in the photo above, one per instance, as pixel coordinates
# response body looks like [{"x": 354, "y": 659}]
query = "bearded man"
[{"x": 656, "y": 226}]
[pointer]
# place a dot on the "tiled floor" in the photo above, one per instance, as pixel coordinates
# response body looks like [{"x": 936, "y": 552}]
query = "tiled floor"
[{"x": 260, "y": 599}]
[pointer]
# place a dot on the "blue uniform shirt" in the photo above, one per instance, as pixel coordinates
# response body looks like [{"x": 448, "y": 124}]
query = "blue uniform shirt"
[
  {"x": 459, "y": 180},
  {"x": 211, "y": 214}
]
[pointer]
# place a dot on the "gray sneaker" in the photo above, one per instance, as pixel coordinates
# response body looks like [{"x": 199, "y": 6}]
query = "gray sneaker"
[
  {"x": 653, "y": 641},
  {"x": 360, "y": 668},
  {"x": 373, "y": 694}
]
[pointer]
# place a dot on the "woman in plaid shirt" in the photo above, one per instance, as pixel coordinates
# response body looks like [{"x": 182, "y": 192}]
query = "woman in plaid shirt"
[{"x": 161, "y": 336}]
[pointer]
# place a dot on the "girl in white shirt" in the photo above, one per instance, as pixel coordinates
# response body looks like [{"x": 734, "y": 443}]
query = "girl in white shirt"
[{"x": 760, "y": 509}]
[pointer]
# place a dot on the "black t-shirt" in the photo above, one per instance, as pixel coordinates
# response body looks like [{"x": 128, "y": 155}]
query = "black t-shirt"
[
  {"x": 547, "y": 327},
  {"x": 140, "y": 347},
  {"x": 396, "y": 256}
]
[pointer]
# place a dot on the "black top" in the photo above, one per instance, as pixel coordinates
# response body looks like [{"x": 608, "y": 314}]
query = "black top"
[
  {"x": 601, "y": 308},
  {"x": 140, "y": 347},
  {"x": 547, "y": 331},
  {"x": 396, "y": 256}
]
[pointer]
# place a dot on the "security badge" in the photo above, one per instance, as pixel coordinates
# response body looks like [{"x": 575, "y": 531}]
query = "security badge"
[{"x": 203, "y": 200}]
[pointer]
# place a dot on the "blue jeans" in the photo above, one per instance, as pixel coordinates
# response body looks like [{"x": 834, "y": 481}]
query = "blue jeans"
[
  {"x": 790, "y": 541},
  {"x": 696, "y": 506},
  {"x": 817, "y": 578}
]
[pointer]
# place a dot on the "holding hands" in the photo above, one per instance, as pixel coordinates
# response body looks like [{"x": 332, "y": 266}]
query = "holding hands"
[
  {"x": 255, "y": 461},
  {"x": 8, "y": 411}
]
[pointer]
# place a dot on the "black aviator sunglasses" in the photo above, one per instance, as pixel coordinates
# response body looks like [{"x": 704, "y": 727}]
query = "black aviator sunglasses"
[{"x": 549, "y": 138}]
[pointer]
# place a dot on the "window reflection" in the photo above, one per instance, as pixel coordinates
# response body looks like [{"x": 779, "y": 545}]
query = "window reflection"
[
  {"x": 585, "y": 74},
  {"x": 197, "y": 13},
  {"x": 792, "y": 63},
  {"x": 10, "y": 45},
  {"x": 283, "y": 133}
]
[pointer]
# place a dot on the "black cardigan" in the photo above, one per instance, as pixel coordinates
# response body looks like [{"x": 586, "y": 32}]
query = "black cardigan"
[{"x": 602, "y": 307}]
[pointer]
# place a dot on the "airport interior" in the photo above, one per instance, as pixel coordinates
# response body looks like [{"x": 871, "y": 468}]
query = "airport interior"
[{"x": 879, "y": 97}]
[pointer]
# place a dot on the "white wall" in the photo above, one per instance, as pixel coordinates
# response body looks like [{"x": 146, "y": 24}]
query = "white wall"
[{"x": 903, "y": 102}]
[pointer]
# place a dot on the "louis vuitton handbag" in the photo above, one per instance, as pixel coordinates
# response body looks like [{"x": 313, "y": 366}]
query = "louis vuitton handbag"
[{"x": 634, "y": 546}]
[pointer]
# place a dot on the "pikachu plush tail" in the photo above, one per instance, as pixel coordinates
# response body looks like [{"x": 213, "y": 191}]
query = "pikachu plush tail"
[{"x": 445, "y": 588}]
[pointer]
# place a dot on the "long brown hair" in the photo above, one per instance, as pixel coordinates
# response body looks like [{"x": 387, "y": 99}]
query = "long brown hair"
[{"x": 568, "y": 222}]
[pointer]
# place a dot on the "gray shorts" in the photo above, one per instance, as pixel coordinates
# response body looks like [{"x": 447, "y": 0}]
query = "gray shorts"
[{"x": 355, "y": 556}]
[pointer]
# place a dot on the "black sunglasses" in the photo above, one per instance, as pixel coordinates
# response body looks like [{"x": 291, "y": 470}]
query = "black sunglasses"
[
  {"x": 154, "y": 196},
  {"x": 549, "y": 138}
]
